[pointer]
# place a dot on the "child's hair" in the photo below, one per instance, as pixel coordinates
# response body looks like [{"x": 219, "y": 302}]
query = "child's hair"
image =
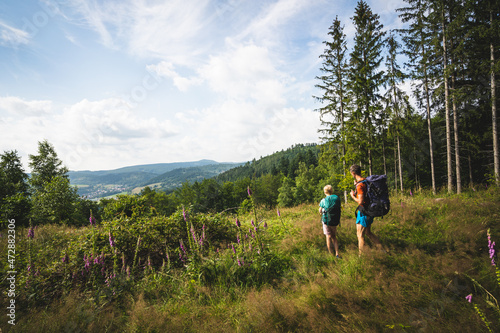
[{"x": 328, "y": 189}]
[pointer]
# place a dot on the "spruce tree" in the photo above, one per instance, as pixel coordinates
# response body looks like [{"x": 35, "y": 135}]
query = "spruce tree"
[
  {"x": 333, "y": 86},
  {"x": 417, "y": 40},
  {"x": 365, "y": 79}
]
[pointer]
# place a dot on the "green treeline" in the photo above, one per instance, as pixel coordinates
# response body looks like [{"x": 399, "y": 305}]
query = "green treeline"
[
  {"x": 286, "y": 178},
  {"x": 443, "y": 133}
]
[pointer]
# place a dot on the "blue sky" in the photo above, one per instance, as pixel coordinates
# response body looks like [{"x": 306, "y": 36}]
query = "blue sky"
[{"x": 118, "y": 83}]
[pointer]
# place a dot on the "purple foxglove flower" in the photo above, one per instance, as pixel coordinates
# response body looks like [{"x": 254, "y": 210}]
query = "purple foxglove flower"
[
  {"x": 253, "y": 224},
  {"x": 265, "y": 224},
  {"x": 238, "y": 239},
  {"x": 278, "y": 211},
  {"x": 65, "y": 258},
  {"x": 469, "y": 298},
  {"x": 184, "y": 214},
  {"x": 194, "y": 235},
  {"x": 232, "y": 247},
  {"x": 31, "y": 233},
  {"x": 411, "y": 193},
  {"x": 238, "y": 224},
  {"x": 111, "y": 240},
  {"x": 182, "y": 247},
  {"x": 239, "y": 262},
  {"x": 92, "y": 219},
  {"x": 249, "y": 191}
]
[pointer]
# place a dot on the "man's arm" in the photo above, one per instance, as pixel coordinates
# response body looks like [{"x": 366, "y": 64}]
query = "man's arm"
[{"x": 359, "y": 197}]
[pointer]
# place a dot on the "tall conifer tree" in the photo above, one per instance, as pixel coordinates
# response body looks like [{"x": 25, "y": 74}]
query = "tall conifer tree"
[
  {"x": 366, "y": 77},
  {"x": 333, "y": 87}
]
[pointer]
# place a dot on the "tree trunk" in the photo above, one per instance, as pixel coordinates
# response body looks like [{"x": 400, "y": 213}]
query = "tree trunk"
[
  {"x": 400, "y": 165},
  {"x": 429, "y": 128},
  {"x": 395, "y": 167},
  {"x": 383, "y": 157},
  {"x": 496, "y": 154},
  {"x": 471, "y": 181},
  {"x": 455, "y": 131},
  {"x": 447, "y": 108}
]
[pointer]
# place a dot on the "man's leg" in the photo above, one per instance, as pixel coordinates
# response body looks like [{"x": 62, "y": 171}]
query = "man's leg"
[
  {"x": 360, "y": 231},
  {"x": 375, "y": 239}
]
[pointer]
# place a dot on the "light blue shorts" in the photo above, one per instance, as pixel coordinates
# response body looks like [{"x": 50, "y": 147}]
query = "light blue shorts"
[{"x": 364, "y": 220}]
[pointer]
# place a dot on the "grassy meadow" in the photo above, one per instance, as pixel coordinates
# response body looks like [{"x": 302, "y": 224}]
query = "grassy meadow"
[{"x": 204, "y": 273}]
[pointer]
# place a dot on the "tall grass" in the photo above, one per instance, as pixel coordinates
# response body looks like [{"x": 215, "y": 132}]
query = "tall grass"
[{"x": 279, "y": 278}]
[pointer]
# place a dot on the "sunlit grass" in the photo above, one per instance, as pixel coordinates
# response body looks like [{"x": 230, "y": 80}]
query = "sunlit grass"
[{"x": 294, "y": 285}]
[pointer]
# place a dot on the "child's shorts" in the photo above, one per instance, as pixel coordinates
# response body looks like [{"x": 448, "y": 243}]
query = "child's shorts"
[{"x": 329, "y": 230}]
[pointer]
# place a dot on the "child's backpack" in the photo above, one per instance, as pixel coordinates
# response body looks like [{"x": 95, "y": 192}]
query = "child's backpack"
[
  {"x": 377, "y": 196},
  {"x": 332, "y": 214}
]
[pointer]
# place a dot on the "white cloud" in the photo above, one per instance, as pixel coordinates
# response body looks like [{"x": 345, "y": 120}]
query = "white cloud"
[
  {"x": 10, "y": 36},
  {"x": 166, "y": 69},
  {"x": 246, "y": 72},
  {"x": 173, "y": 30},
  {"x": 89, "y": 134},
  {"x": 20, "y": 107}
]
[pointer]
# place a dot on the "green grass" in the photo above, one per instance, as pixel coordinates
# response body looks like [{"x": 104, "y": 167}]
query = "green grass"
[{"x": 293, "y": 285}]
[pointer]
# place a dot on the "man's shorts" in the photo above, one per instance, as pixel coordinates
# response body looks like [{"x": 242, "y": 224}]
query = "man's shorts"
[
  {"x": 364, "y": 220},
  {"x": 329, "y": 230}
]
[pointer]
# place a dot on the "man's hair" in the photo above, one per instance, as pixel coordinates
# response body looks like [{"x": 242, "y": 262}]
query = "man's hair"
[
  {"x": 328, "y": 189},
  {"x": 356, "y": 169}
]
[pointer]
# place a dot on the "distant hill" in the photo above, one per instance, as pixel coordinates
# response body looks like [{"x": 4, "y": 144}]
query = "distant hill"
[
  {"x": 172, "y": 179},
  {"x": 97, "y": 184},
  {"x": 284, "y": 161}
]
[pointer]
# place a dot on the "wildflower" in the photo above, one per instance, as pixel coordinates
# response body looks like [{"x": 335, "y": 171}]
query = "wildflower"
[
  {"x": 238, "y": 224},
  {"x": 194, "y": 235},
  {"x": 65, "y": 258},
  {"x": 232, "y": 247},
  {"x": 411, "y": 193},
  {"x": 111, "y": 240},
  {"x": 249, "y": 191},
  {"x": 278, "y": 211},
  {"x": 491, "y": 247},
  {"x": 253, "y": 224},
  {"x": 181, "y": 258},
  {"x": 184, "y": 214},
  {"x": 265, "y": 225},
  {"x": 239, "y": 262},
  {"x": 182, "y": 247},
  {"x": 238, "y": 239},
  {"x": 469, "y": 298},
  {"x": 92, "y": 219},
  {"x": 31, "y": 232}
]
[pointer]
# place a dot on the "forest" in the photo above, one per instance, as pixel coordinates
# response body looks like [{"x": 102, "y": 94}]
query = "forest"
[
  {"x": 441, "y": 134},
  {"x": 244, "y": 251}
]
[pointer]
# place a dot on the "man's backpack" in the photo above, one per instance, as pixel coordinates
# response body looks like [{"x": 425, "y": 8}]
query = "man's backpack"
[{"x": 377, "y": 201}]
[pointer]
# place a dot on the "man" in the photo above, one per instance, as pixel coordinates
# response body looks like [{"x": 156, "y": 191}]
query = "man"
[
  {"x": 329, "y": 207},
  {"x": 363, "y": 222}
]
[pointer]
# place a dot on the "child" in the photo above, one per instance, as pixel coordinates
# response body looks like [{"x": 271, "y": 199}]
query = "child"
[{"x": 329, "y": 208}]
